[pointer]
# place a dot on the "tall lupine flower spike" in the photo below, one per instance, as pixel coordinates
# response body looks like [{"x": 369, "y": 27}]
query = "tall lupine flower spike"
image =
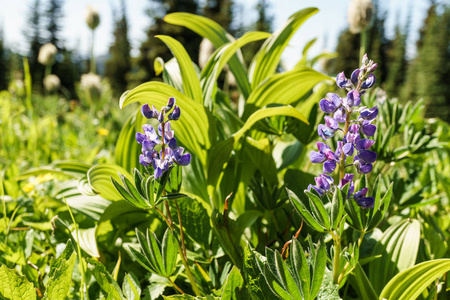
[
  {"x": 352, "y": 150},
  {"x": 170, "y": 153}
]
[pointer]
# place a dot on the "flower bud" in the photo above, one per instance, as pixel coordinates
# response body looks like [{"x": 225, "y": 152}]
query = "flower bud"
[
  {"x": 175, "y": 115},
  {"x": 92, "y": 17},
  {"x": 341, "y": 80},
  {"x": 47, "y": 54},
  {"x": 91, "y": 82},
  {"x": 52, "y": 83},
  {"x": 170, "y": 104},
  {"x": 365, "y": 59}
]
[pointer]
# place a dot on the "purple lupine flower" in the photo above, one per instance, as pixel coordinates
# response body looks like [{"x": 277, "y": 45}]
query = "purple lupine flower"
[
  {"x": 170, "y": 104},
  {"x": 175, "y": 114},
  {"x": 170, "y": 153},
  {"x": 369, "y": 114},
  {"x": 367, "y": 129},
  {"x": 330, "y": 105},
  {"x": 361, "y": 166},
  {"x": 342, "y": 81},
  {"x": 355, "y": 76},
  {"x": 369, "y": 82},
  {"x": 326, "y": 156},
  {"x": 353, "y": 99},
  {"x": 362, "y": 146},
  {"x": 352, "y": 135},
  {"x": 323, "y": 184},
  {"x": 362, "y": 200},
  {"x": 327, "y": 131},
  {"x": 340, "y": 115}
]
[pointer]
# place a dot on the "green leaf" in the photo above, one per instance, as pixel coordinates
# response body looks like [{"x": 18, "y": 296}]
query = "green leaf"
[
  {"x": 99, "y": 177},
  {"x": 221, "y": 56},
  {"x": 320, "y": 262},
  {"x": 256, "y": 284},
  {"x": 337, "y": 209},
  {"x": 127, "y": 149},
  {"x": 158, "y": 65},
  {"x": 196, "y": 224},
  {"x": 87, "y": 241},
  {"x": 268, "y": 57},
  {"x": 318, "y": 209},
  {"x": 304, "y": 212},
  {"x": 209, "y": 29},
  {"x": 273, "y": 277},
  {"x": 300, "y": 267},
  {"x": 284, "y": 88},
  {"x": 195, "y": 129},
  {"x": 169, "y": 251},
  {"x": 233, "y": 285},
  {"x": 127, "y": 195},
  {"x": 13, "y": 286},
  {"x": 362, "y": 285},
  {"x": 191, "y": 83},
  {"x": 410, "y": 283},
  {"x": 398, "y": 246},
  {"x": 269, "y": 112},
  {"x": 105, "y": 280},
  {"x": 60, "y": 276},
  {"x": 131, "y": 287}
]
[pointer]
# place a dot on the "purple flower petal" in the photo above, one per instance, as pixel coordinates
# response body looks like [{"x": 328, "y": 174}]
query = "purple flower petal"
[
  {"x": 142, "y": 160},
  {"x": 368, "y": 129},
  {"x": 365, "y": 168},
  {"x": 341, "y": 80},
  {"x": 325, "y": 132},
  {"x": 327, "y": 106},
  {"x": 331, "y": 123},
  {"x": 329, "y": 166},
  {"x": 147, "y": 111},
  {"x": 369, "y": 113},
  {"x": 354, "y": 76},
  {"x": 348, "y": 149},
  {"x": 353, "y": 99},
  {"x": 175, "y": 115},
  {"x": 361, "y": 193},
  {"x": 317, "y": 157},
  {"x": 170, "y": 104},
  {"x": 366, "y": 202},
  {"x": 185, "y": 159},
  {"x": 354, "y": 128},
  {"x": 340, "y": 115},
  {"x": 368, "y": 157},
  {"x": 364, "y": 144},
  {"x": 318, "y": 190},
  {"x": 140, "y": 137},
  {"x": 335, "y": 99},
  {"x": 369, "y": 82}
]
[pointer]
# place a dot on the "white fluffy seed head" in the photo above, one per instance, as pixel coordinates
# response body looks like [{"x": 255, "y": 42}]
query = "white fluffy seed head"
[
  {"x": 52, "y": 83},
  {"x": 92, "y": 17},
  {"x": 91, "y": 82},
  {"x": 359, "y": 15},
  {"x": 47, "y": 54}
]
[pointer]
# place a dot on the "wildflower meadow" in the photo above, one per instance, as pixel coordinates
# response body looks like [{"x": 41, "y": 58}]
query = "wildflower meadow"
[{"x": 225, "y": 180}]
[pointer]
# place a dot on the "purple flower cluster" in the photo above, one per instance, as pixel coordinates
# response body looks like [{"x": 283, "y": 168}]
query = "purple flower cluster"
[
  {"x": 353, "y": 149},
  {"x": 165, "y": 138}
]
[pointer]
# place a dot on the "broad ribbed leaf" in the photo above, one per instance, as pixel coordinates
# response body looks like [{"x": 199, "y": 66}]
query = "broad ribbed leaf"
[
  {"x": 209, "y": 29},
  {"x": 398, "y": 248},
  {"x": 269, "y": 112},
  {"x": 191, "y": 83},
  {"x": 284, "y": 88},
  {"x": 99, "y": 177},
  {"x": 195, "y": 129},
  {"x": 268, "y": 57},
  {"x": 410, "y": 283},
  {"x": 87, "y": 241},
  {"x": 221, "y": 56}
]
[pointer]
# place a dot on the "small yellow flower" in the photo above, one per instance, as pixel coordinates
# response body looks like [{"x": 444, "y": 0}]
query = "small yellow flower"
[
  {"x": 44, "y": 178},
  {"x": 28, "y": 187},
  {"x": 103, "y": 131}
]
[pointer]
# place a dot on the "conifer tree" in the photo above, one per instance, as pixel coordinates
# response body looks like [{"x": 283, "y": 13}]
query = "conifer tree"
[
  {"x": 119, "y": 64},
  {"x": 32, "y": 33},
  {"x": 4, "y": 67},
  {"x": 153, "y": 47}
]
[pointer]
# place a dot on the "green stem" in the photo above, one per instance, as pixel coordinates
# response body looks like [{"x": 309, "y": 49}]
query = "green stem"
[
  {"x": 336, "y": 259},
  {"x": 363, "y": 46},
  {"x": 93, "y": 66}
]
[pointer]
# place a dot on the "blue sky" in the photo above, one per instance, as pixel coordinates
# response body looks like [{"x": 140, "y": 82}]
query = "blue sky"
[{"x": 325, "y": 25}]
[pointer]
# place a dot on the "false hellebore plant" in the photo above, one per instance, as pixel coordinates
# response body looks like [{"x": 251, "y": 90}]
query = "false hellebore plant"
[
  {"x": 340, "y": 194},
  {"x": 162, "y": 159}
]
